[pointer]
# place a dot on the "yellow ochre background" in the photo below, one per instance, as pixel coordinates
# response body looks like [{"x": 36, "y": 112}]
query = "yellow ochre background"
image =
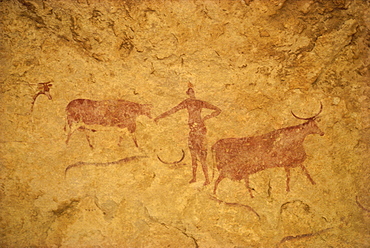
[{"x": 256, "y": 60}]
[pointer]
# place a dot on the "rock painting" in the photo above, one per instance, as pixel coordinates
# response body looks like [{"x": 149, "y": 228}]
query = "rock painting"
[
  {"x": 174, "y": 163},
  {"x": 197, "y": 134},
  {"x": 361, "y": 206},
  {"x": 301, "y": 236},
  {"x": 237, "y": 158},
  {"x": 123, "y": 160},
  {"x": 44, "y": 89},
  {"x": 111, "y": 113},
  {"x": 250, "y": 58}
]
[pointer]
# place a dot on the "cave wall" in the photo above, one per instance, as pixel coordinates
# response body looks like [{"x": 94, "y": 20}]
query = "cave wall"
[{"x": 257, "y": 61}]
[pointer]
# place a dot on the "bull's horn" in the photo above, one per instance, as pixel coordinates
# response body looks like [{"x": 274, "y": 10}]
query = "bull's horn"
[
  {"x": 310, "y": 118},
  {"x": 176, "y": 162}
]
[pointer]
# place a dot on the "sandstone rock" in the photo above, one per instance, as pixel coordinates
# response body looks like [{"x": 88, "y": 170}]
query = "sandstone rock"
[{"x": 255, "y": 60}]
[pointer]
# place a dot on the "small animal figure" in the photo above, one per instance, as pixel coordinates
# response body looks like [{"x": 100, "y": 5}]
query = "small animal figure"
[
  {"x": 44, "y": 89},
  {"x": 111, "y": 113},
  {"x": 237, "y": 158}
]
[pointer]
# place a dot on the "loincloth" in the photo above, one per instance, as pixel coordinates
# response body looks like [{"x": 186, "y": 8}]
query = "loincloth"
[{"x": 197, "y": 137}]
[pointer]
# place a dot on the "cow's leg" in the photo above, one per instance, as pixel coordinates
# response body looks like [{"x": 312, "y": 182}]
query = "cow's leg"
[
  {"x": 219, "y": 179},
  {"x": 131, "y": 128},
  {"x": 69, "y": 133},
  {"x": 68, "y": 136},
  {"x": 69, "y": 123},
  {"x": 287, "y": 170},
  {"x": 307, "y": 174},
  {"x": 246, "y": 180},
  {"x": 134, "y": 139},
  {"x": 86, "y": 130},
  {"x": 89, "y": 141}
]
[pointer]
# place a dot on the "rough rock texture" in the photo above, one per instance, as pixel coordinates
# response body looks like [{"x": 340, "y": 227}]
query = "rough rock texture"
[{"x": 256, "y": 60}]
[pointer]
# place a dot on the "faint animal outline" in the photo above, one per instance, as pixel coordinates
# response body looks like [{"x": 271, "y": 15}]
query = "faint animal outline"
[{"x": 44, "y": 89}]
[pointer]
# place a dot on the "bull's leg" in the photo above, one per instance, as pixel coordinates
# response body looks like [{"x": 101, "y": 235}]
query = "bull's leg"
[
  {"x": 307, "y": 174},
  {"x": 219, "y": 179},
  {"x": 246, "y": 179},
  {"x": 287, "y": 170}
]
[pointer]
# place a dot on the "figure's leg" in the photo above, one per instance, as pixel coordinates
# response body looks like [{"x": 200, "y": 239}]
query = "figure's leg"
[
  {"x": 194, "y": 164},
  {"x": 201, "y": 149},
  {"x": 203, "y": 161},
  {"x": 246, "y": 179},
  {"x": 287, "y": 170},
  {"x": 307, "y": 174}
]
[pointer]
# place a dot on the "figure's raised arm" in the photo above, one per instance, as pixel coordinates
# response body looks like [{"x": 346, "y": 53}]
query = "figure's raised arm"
[
  {"x": 215, "y": 113},
  {"x": 180, "y": 106}
]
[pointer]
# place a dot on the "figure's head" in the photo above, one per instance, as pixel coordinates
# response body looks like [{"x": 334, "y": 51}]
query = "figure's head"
[{"x": 190, "y": 92}]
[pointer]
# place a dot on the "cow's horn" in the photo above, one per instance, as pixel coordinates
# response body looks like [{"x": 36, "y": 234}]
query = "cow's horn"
[
  {"x": 176, "y": 162},
  {"x": 310, "y": 118}
]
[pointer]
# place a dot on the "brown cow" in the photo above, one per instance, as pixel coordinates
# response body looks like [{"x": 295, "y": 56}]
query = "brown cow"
[
  {"x": 112, "y": 113},
  {"x": 237, "y": 158}
]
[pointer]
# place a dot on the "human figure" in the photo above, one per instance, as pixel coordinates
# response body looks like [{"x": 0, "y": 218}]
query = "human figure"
[{"x": 198, "y": 131}]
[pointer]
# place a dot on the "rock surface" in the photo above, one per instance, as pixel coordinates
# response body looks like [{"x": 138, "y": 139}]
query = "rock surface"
[{"x": 256, "y": 60}]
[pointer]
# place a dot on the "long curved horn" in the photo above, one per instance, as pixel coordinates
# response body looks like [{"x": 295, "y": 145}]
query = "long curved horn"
[
  {"x": 310, "y": 118},
  {"x": 176, "y": 162}
]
